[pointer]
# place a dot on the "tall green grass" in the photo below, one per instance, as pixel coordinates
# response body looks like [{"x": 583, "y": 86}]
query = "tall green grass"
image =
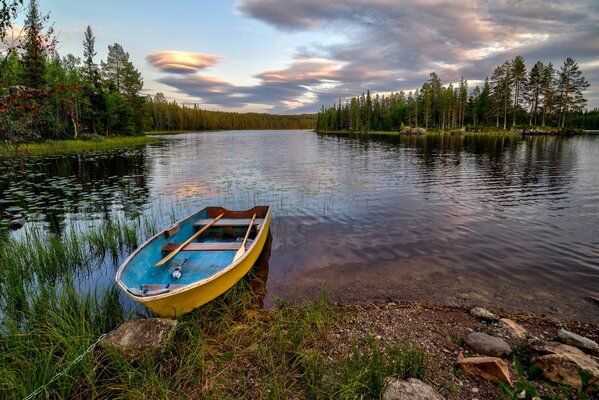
[{"x": 74, "y": 146}]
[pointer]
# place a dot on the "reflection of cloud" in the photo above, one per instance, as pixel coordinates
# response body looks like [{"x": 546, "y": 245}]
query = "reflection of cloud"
[
  {"x": 388, "y": 45},
  {"x": 181, "y": 62}
]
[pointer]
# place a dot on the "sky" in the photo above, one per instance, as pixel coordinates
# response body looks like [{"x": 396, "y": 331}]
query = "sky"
[{"x": 292, "y": 56}]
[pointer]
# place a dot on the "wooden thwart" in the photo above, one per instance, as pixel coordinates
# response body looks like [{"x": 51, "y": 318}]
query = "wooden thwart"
[
  {"x": 212, "y": 246},
  {"x": 229, "y": 222}
]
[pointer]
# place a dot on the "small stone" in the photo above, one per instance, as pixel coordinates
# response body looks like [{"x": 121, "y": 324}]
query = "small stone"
[
  {"x": 483, "y": 313},
  {"x": 474, "y": 390},
  {"x": 514, "y": 329},
  {"x": 412, "y": 389},
  {"x": 137, "y": 337},
  {"x": 573, "y": 339},
  {"x": 487, "y": 345},
  {"x": 491, "y": 368}
]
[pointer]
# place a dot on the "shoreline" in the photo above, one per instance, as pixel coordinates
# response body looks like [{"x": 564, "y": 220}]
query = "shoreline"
[{"x": 460, "y": 132}]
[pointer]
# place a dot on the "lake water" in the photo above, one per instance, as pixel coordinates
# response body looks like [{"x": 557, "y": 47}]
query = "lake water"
[{"x": 496, "y": 221}]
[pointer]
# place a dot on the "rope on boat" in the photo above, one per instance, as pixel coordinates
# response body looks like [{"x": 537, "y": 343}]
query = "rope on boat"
[{"x": 77, "y": 360}]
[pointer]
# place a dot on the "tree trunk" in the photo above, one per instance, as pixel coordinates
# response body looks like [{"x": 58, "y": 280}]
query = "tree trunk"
[{"x": 75, "y": 127}]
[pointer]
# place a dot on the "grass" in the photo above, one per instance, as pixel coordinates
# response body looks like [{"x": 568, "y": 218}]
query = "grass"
[{"x": 74, "y": 146}]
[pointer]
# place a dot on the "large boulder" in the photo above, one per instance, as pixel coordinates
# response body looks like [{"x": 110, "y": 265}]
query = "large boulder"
[
  {"x": 143, "y": 336},
  {"x": 561, "y": 363},
  {"x": 491, "y": 368},
  {"x": 412, "y": 389},
  {"x": 487, "y": 345}
]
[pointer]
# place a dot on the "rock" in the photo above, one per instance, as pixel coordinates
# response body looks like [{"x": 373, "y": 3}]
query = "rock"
[
  {"x": 412, "y": 389},
  {"x": 560, "y": 363},
  {"x": 137, "y": 337},
  {"x": 513, "y": 328},
  {"x": 491, "y": 368},
  {"x": 483, "y": 313},
  {"x": 573, "y": 339},
  {"x": 487, "y": 345}
]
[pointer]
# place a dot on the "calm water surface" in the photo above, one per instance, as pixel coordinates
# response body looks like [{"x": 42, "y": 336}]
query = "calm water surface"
[{"x": 496, "y": 221}]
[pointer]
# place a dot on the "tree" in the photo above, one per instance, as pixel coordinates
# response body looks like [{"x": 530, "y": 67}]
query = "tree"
[
  {"x": 34, "y": 58},
  {"x": 90, "y": 68},
  {"x": 112, "y": 69},
  {"x": 518, "y": 78},
  {"x": 547, "y": 90},
  {"x": 462, "y": 100},
  {"x": 533, "y": 90},
  {"x": 570, "y": 85}
]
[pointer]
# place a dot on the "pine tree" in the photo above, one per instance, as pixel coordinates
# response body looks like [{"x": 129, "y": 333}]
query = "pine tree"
[
  {"x": 518, "y": 79},
  {"x": 547, "y": 90},
  {"x": 112, "y": 69},
  {"x": 533, "y": 90},
  {"x": 462, "y": 100},
  {"x": 570, "y": 85}
]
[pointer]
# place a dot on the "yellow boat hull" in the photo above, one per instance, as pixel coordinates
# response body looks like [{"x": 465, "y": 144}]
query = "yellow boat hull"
[{"x": 187, "y": 298}]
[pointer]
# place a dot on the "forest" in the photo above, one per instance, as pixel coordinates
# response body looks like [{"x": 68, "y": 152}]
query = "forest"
[
  {"x": 45, "y": 96},
  {"x": 512, "y": 97}
]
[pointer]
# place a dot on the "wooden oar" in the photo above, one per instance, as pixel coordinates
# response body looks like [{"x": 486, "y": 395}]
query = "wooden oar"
[
  {"x": 195, "y": 235},
  {"x": 247, "y": 234}
]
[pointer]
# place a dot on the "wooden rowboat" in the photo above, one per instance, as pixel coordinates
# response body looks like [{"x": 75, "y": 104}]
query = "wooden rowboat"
[{"x": 195, "y": 260}]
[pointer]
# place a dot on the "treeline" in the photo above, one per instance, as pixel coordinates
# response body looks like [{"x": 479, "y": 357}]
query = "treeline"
[
  {"x": 45, "y": 96},
  {"x": 512, "y": 96},
  {"x": 170, "y": 116}
]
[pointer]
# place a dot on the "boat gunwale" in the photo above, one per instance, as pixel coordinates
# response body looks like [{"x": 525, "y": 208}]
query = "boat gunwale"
[{"x": 146, "y": 299}]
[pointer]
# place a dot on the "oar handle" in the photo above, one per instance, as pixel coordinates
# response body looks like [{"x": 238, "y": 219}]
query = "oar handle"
[{"x": 195, "y": 235}]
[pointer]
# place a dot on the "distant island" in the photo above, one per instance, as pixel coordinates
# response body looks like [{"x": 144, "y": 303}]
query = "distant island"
[{"x": 550, "y": 101}]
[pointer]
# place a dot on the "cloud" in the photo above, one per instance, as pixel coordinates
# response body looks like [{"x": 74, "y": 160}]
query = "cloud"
[
  {"x": 181, "y": 62},
  {"x": 392, "y": 45},
  {"x": 409, "y": 39}
]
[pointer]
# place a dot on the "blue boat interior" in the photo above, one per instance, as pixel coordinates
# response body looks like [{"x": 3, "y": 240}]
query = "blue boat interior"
[{"x": 142, "y": 277}]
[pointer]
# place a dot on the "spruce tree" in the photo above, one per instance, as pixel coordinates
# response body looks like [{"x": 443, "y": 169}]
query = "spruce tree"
[{"x": 33, "y": 62}]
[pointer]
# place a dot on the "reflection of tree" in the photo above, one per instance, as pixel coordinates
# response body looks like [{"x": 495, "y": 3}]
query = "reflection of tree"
[{"x": 503, "y": 163}]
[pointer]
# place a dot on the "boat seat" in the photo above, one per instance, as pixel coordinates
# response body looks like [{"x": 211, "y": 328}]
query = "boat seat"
[
  {"x": 152, "y": 289},
  {"x": 229, "y": 222},
  {"x": 203, "y": 246}
]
